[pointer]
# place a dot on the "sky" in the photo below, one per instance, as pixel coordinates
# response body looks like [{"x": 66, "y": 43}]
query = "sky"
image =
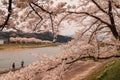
[{"x": 69, "y": 29}]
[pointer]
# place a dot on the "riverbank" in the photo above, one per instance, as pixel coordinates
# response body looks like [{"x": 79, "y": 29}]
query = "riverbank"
[
  {"x": 84, "y": 70},
  {"x": 80, "y": 70},
  {"x": 24, "y": 46},
  {"x": 6, "y": 71},
  {"x": 109, "y": 72}
]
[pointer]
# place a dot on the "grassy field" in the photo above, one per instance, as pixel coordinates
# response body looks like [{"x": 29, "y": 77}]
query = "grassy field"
[
  {"x": 110, "y": 72},
  {"x": 22, "y": 46}
]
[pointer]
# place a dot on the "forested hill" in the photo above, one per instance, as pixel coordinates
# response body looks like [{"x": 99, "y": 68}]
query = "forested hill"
[{"x": 42, "y": 36}]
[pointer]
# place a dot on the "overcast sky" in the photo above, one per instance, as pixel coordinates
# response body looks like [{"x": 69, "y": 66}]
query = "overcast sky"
[{"x": 69, "y": 28}]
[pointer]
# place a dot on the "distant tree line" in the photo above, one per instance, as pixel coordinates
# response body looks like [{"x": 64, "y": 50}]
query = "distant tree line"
[{"x": 42, "y": 36}]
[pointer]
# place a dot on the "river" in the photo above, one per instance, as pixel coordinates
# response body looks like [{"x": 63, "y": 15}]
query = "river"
[{"x": 7, "y": 57}]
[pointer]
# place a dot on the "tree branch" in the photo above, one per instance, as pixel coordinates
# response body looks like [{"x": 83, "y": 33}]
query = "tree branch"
[
  {"x": 93, "y": 33},
  {"x": 99, "y": 6},
  {"x": 37, "y": 25},
  {"x": 28, "y": 14},
  {"x": 41, "y": 8},
  {"x": 89, "y": 27},
  {"x": 93, "y": 57},
  {"x": 37, "y": 14},
  {"x": 36, "y": 11},
  {"x": 8, "y": 16},
  {"x": 93, "y": 16},
  {"x": 63, "y": 18}
]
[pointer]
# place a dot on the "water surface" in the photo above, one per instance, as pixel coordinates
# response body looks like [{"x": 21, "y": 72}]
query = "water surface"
[{"x": 7, "y": 57}]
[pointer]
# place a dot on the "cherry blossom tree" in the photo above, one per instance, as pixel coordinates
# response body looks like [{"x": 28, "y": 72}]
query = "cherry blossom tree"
[
  {"x": 100, "y": 15},
  {"x": 34, "y": 15},
  {"x": 44, "y": 13},
  {"x": 96, "y": 17}
]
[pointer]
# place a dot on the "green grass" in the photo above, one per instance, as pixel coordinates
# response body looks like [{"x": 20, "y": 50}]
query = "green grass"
[
  {"x": 119, "y": 51},
  {"x": 110, "y": 72},
  {"x": 20, "y": 46}
]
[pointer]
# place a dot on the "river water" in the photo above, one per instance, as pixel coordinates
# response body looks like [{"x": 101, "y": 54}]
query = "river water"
[{"x": 7, "y": 57}]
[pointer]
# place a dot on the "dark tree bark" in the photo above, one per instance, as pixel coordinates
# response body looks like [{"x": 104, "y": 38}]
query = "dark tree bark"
[
  {"x": 8, "y": 16},
  {"x": 51, "y": 18},
  {"x": 112, "y": 26},
  {"x": 36, "y": 14}
]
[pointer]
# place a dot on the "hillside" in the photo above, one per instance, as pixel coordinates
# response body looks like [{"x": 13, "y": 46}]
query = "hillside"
[{"x": 42, "y": 36}]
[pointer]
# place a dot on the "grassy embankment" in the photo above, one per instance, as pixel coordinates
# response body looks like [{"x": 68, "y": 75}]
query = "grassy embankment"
[
  {"x": 22, "y": 46},
  {"x": 111, "y": 71},
  {"x": 108, "y": 72}
]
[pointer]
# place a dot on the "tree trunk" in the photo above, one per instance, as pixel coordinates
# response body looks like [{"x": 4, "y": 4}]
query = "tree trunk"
[{"x": 112, "y": 27}]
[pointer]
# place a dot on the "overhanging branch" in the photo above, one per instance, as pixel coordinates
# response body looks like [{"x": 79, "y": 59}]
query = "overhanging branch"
[
  {"x": 37, "y": 14},
  {"x": 93, "y": 16},
  {"x": 36, "y": 11},
  {"x": 99, "y": 6},
  {"x": 41, "y": 8}
]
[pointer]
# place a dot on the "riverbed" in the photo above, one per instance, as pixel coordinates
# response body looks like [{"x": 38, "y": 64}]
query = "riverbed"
[{"x": 7, "y": 57}]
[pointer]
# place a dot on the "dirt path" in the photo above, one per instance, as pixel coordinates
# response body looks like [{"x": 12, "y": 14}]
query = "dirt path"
[{"x": 81, "y": 70}]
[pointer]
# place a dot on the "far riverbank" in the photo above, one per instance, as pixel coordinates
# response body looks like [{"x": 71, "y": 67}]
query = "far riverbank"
[{"x": 24, "y": 46}]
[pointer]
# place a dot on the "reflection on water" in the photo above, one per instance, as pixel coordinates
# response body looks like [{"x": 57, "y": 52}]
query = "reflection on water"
[{"x": 8, "y": 57}]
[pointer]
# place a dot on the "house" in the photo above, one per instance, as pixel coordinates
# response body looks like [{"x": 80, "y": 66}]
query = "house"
[
  {"x": 4, "y": 41},
  {"x": 4, "y": 37},
  {"x": 1, "y": 41}
]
